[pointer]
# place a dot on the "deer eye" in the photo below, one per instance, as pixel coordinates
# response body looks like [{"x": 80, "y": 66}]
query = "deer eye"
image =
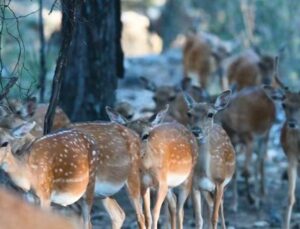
[
  {"x": 283, "y": 105},
  {"x": 210, "y": 115}
]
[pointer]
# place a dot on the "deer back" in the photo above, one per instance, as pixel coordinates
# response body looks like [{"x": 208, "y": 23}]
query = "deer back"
[
  {"x": 250, "y": 111},
  {"x": 119, "y": 145},
  {"x": 170, "y": 146},
  {"x": 249, "y": 69},
  {"x": 64, "y": 161}
]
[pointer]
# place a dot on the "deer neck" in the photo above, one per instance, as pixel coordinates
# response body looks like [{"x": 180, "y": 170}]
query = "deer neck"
[
  {"x": 206, "y": 127},
  {"x": 19, "y": 171}
]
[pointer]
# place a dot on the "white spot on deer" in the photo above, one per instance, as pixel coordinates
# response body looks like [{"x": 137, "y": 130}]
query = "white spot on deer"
[{"x": 94, "y": 152}]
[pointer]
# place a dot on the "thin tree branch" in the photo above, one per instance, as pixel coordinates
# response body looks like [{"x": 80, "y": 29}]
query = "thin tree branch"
[
  {"x": 68, "y": 34},
  {"x": 8, "y": 86}
]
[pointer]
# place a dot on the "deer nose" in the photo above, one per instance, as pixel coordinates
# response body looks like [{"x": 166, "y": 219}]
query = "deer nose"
[
  {"x": 197, "y": 131},
  {"x": 145, "y": 136}
]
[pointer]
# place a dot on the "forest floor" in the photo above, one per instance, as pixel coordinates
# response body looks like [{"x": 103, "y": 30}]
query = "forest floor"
[{"x": 167, "y": 69}]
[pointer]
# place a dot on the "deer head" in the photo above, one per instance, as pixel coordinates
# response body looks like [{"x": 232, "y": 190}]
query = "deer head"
[
  {"x": 17, "y": 138},
  {"x": 290, "y": 100},
  {"x": 201, "y": 114},
  {"x": 163, "y": 95}
]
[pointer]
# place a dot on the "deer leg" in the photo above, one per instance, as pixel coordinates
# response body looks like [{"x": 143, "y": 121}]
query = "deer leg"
[
  {"x": 292, "y": 175},
  {"x": 222, "y": 215},
  {"x": 184, "y": 192},
  {"x": 235, "y": 193},
  {"x": 147, "y": 208},
  {"x": 87, "y": 202},
  {"x": 209, "y": 204},
  {"x": 196, "y": 194},
  {"x": 45, "y": 203},
  {"x": 134, "y": 190},
  {"x": 246, "y": 172},
  {"x": 172, "y": 208},
  {"x": 115, "y": 212},
  {"x": 85, "y": 211},
  {"x": 262, "y": 156},
  {"x": 161, "y": 195},
  {"x": 217, "y": 202}
]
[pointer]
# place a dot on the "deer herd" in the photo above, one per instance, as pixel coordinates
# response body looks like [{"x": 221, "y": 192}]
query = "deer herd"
[{"x": 187, "y": 148}]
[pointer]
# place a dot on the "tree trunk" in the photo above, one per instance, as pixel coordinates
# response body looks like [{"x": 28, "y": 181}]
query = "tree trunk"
[{"x": 95, "y": 61}]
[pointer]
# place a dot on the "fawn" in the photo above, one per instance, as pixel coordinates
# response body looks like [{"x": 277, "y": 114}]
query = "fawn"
[
  {"x": 216, "y": 162},
  {"x": 169, "y": 153},
  {"x": 59, "y": 167}
]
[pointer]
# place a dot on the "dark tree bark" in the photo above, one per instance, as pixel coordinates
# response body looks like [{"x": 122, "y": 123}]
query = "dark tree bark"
[
  {"x": 43, "y": 70},
  {"x": 72, "y": 8},
  {"x": 95, "y": 61}
]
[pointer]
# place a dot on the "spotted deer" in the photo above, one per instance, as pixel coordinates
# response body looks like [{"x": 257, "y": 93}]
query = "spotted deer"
[
  {"x": 26, "y": 216},
  {"x": 216, "y": 161},
  {"x": 250, "y": 69},
  {"x": 119, "y": 165},
  {"x": 59, "y": 167},
  {"x": 290, "y": 141},
  {"x": 168, "y": 155}
]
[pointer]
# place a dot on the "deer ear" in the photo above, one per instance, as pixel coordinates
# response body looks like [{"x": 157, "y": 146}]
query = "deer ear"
[
  {"x": 160, "y": 116},
  {"x": 190, "y": 102},
  {"x": 222, "y": 100},
  {"x": 148, "y": 84},
  {"x": 23, "y": 129},
  {"x": 115, "y": 116}
]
